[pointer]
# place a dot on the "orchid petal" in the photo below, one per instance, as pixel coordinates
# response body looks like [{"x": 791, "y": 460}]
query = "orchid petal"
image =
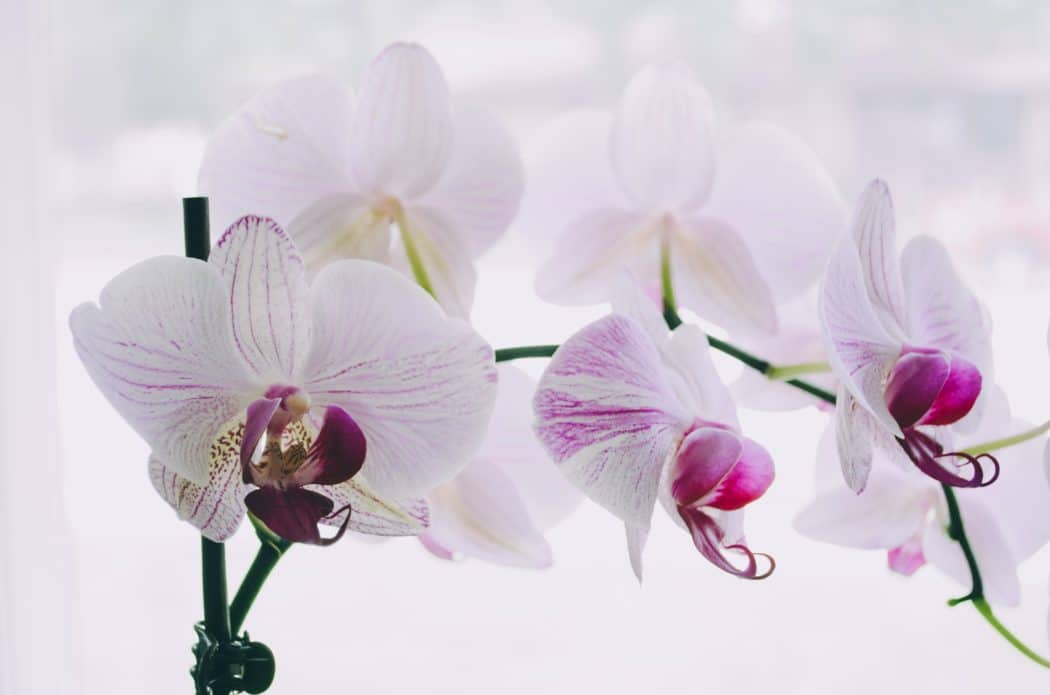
[
  {"x": 874, "y": 232},
  {"x": 280, "y": 152},
  {"x": 704, "y": 459},
  {"x": 606, "y": 417},
  {"x": 992, "y": 550},
  {"x": 916, "y": 379},
  {"x": 375, "y": 515},
  {"x": 592, "y": 254},
  {"x": 337, "y": 453},
  {"x": 259, "y": 413},
  {"x": 420, "y": 385},
  {"x": 511, "y": 445},
  {"x": 698, "y": 385},
  {"x": 569, "y": 174},
  {"x": 747, "y": 480},
  {"x": 401, "y": 133},
  {"x": 340, "y": 226},
  {"x": 216, "y": 508},
  {"x": 715, "y": 275},
  {"x": 481, "y": 188},
  {"x": 160, "y": 348},
  {"x": 801, "y": 213},
  {"x": 446, "y": 259},
  {"x": 854, "y": 430},
  {"x": 661, "y": 143},
  {"x": 908, "y": 557},
  {"x": 267, "y": 297},
  {"x": 860, "y": 350},
  {"x": 958, "y": 396},
  {"x": 292, "y": 513},
  {"x": 890, "y": 510},
  {"x": 480, "y": 514},
  {"x": 637, "y": 536},
  {"x": 942, "y": 312}
]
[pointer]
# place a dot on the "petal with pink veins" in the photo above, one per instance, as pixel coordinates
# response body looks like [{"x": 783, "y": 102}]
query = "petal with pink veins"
[
  {"x": 697, "y": 383},
  {"x": 874, "y": 233},
  {"x": 375, "y": 515},
  {"x": 160, "y": 348},
  {"x": 661, "y": 141},
  {"x": 401, "y": 133},
  {"x": 607, "y": 417},
  {"x": 259, "y": 413},
  {"x": 592, "y": 254},
  {"x": 267, "y": 289},
  {"x": 280, "y": 152},
  {"x": 420, "y": 385},
  {"x": 480, "y": 190},
  {"x": 801, "y": 215},
  {"x": 216, "y": 508},
  {"x": 715, "y": 275},
  {"x": 859, "y": 349}
]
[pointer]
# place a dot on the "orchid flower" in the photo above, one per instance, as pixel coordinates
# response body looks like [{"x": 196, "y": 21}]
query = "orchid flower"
[
  {"x": 652, "y": 185},
  {"x": 339, "y": 172},
  {"x": 357, "y": 393},
  {"x": 908, "y": 342},
  {"x": 632, "y": 413},
  {"x": 498, "y": 507},
  {"x": 902, "y": 512}
]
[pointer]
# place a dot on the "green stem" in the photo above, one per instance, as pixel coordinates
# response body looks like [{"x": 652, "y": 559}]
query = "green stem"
[
  {"x": 517, "y": 353},
  {"x": 213, "y": 585},
  {"x": 415, "y": 261},
  {"x": 984, "y": 609},
  {"x": 265, "y": 560},
  {"x": 788, "y": 371},
  {"x": 1008, "y": 441}
]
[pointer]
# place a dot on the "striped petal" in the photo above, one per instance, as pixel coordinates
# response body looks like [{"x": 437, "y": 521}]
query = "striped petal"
[
  {"x": 267, "y": 292},
  {"x": 421, "y": 386},
  {"x": 373, "y": 514},
  {"x": 159, "y": 346},
  {"x": 874, "y": 233},
  {"x": 607, "y": 417}
]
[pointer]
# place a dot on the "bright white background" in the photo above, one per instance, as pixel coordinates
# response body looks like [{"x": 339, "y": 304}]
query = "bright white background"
[{"x": 106, "y": 108}]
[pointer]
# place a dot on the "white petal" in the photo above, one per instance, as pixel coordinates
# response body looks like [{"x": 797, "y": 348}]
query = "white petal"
[
  {"x": 481, "y": 514},
  {"x": 511, "y": 445},
  {"x": 629, "y": 298},
  {"x": 375, "y": 515},
  {"x": 874, "y": 233},
  {"x": 481, "y": 188},
  {"x": 280, "y": 152},
  {"x": 854, "y": 430},
  {"x": 774, "y": 191},
  {"x": 401, "y": 135},
  {"x": 859, "y": 349},
  {"x": 662, "y": 147},
  {"x": 267, "y": 297},
  {"x": 715, "y": 275},
  {"x": 607, "y": 418},
  {"x": 942, "y": 311},
  {"x": 592, "y": 255},
  {"x": 160, "y": 348},
  {"x": 699, "y": 387},
  {"x": 997, "y": 564},
  {"x": 636, "y": 540},
  {"x": 569, "y": 174},
  {"x": 420, "y": 385},
  {"x": 217, "y": 507},
  {"x": 340, "y": 226},
  {"x": 445, "y": 256},
  {"x": 889, "y": 511}
]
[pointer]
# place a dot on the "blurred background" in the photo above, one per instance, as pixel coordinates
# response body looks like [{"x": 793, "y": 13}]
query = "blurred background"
[{"x": 106, "y": 109}]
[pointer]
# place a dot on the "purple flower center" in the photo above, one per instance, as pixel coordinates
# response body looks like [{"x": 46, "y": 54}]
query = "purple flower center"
[{"x": 288, "y": 464}]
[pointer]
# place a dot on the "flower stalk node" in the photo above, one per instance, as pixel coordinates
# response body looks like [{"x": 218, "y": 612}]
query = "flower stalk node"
[{"x": 240, "y": 665}]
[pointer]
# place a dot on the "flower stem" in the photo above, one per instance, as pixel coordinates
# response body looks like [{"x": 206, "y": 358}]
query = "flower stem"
[
  {"x": 1005, "y": 442},
  {"x": 984, "y": 609},
  {"x": 213, "y": 583},
  {"x": 415, "y": 261},
  {"x": 517, "y": 353},
  {"x": 788, "y": 371},
  {"x": 270, "y": 552}
]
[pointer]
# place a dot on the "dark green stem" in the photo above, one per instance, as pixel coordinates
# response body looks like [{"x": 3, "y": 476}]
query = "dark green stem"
[
  {"x": 517, "y": 353},
  {"x": 213, "y": 583},
  {"x": 265, "y": 560}
]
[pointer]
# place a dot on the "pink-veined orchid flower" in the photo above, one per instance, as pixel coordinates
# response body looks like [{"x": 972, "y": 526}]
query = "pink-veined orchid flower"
[
  {"x": 632, "y": 413},
  {"x": 499, "y": 506},
  {"x": 209, "y": 361},
  {"x": 339, "y": 171},
  {"x": 909, "y": 344},
  {"x": 903, "y": 513},
  {"x": 619, "y": 186}
]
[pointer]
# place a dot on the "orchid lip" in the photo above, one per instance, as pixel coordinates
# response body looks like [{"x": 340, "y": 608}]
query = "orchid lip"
[
  {"x": 931, "y": 387},
  {"x": 708, "y": 537},
  {"x": 926, "y": 454}
]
